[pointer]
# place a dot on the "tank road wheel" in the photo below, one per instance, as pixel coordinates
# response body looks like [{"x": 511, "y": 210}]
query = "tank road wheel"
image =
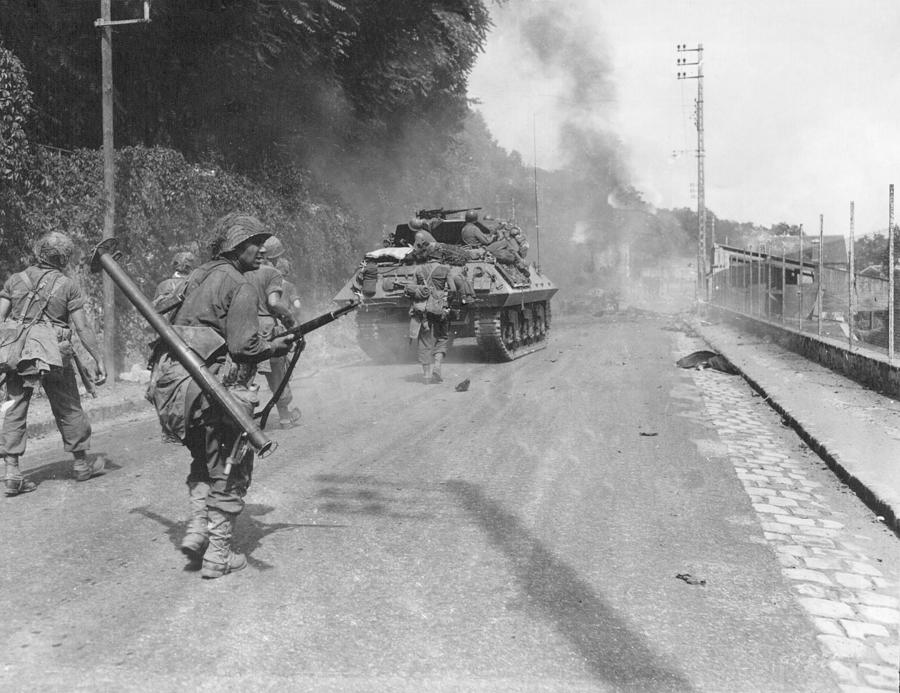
[
  {"x": 508, "y": 333},
  {"x": 383, "y": 337}
]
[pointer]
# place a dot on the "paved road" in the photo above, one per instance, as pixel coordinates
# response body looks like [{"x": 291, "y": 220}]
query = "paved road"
[{"x": 524, "y": 535}]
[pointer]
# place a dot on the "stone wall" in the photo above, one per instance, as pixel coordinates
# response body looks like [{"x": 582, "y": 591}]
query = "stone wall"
[{"x": 866, "y": 367}]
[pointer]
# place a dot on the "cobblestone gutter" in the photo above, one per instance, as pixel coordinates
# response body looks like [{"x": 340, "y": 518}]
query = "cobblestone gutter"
[{"x": 847, "y": 595}]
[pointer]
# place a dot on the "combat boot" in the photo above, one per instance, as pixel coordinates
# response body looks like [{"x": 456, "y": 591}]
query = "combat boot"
[
  {"x": 196, "y": 537},
  {"x": 219, "y": 559},
  {"x": 85, "y": 468},
  {"x": 288, "y": 417},
  {"x": 436, "y": 371},
  {"x": 15, "y": 482}
]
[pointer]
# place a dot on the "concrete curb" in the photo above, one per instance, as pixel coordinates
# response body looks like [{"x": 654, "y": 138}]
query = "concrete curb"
[{"x": 817, "y": 442}]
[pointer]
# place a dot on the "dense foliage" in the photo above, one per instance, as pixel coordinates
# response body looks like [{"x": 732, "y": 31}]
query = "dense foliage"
[
  {"x": 250, "y": 80},
  {"x": 165, "y": 204},
  {"x": 15, "y": 108}
]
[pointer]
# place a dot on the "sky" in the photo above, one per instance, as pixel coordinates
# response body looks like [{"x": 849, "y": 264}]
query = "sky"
[{"x": 801, "y": 101}]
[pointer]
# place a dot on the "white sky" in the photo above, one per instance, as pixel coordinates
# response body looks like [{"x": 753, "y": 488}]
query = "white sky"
[{"x": 802, "y": 102}]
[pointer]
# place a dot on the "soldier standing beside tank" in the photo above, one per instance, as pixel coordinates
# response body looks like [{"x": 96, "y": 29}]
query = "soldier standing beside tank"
[
  {"x": 430, "y": 315},
  {"x": 41, "y": 302},
  {"x": 220, "y": 307},
  {"x": 184, "y": 263},
  {"x": 269, "y": 284}
]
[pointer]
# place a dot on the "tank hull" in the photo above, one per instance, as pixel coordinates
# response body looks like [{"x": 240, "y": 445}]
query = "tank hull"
[{"x": 509, "y": 318}]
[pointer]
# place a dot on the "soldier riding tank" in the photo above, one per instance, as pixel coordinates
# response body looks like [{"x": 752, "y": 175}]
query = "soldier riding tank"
[{"x": 509, "y": 318}]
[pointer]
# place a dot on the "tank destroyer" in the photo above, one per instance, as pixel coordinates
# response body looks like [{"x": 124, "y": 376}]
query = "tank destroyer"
[{"x": 509, "y": 316}]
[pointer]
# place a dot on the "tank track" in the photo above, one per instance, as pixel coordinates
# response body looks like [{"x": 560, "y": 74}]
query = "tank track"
[
  {"x": 509, "y": 333},
  {"x": 382, "y": 339}
]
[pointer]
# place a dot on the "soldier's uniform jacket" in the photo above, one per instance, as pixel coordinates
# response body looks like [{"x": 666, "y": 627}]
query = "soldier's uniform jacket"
[
  {"x": 472, "y": 235},
  {"x": 265, "y": 280},
  {"x": 220, "y": 298},
  {"x": 49, "y": 341},
  {"x": 172, "y": 286}
]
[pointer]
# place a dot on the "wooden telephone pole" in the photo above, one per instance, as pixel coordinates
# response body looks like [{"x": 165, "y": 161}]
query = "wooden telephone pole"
[{"x": 106, "y": 24}]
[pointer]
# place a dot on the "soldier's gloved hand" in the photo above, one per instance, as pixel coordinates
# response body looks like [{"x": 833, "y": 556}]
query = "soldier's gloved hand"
[
  {"x": 281, "y": 345},
  {"x": 100, "y": 375}
]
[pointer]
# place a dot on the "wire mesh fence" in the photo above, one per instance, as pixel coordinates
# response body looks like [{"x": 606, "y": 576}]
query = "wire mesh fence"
[{"x": 809, "y": 290}]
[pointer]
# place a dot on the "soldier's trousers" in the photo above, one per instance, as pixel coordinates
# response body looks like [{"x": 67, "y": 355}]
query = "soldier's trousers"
[
  {"x": 278, "y": 367},
  {"x": 65, "y": 403},
  {"x": 434, "y": 337},
  {"x": 210, "y": 446}
]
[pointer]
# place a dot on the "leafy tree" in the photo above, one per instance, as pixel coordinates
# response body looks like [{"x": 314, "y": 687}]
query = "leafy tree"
[
  {"x": 785, "y": 229},
  {"x": 15, "y": 109},
  {"x": 255, "y": 80}
]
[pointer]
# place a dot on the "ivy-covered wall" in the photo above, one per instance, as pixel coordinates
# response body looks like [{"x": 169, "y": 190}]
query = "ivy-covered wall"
[{"x": 165, "y": 204}]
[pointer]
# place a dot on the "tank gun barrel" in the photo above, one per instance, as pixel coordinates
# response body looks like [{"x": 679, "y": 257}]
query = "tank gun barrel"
[{"x": 441, "y": 213}]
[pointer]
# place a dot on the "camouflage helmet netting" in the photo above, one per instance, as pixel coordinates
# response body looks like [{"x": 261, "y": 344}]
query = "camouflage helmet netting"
[
  {"x": 55, "y": 248},
  {"x": 184, "y": 261},
  {"x": 233, "y": 229}
]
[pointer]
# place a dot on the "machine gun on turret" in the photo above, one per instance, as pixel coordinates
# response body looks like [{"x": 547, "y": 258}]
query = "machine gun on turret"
[{"x": 442, "y": 213}]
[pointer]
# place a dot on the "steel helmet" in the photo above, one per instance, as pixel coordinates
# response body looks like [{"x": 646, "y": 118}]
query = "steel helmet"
[
  {"x": 184, "y": 262},
  {"x": 416, "y": 224},
  {"x": 283, "y": 265},
  {"x": 233, "y": 229},
  {"x": 471, "y": 215},
  {"x": 54, "y": 248},
  {"x": 274, "y": 248}
]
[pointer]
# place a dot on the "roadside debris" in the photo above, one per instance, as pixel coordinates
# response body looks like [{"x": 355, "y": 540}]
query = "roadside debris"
[
  {"x": 649, "y": 435},
  {"x": 463, "y": 386},
  {"x": 691, "y": 579},
  {"x": 707, "y": 359}
]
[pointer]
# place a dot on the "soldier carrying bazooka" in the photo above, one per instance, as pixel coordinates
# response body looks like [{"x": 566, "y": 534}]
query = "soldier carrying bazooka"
[{"x": 201, "y": 383}]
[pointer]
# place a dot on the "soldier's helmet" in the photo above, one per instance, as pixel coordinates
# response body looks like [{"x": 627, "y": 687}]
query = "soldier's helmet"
[
  {"x": 54, "y": 248},
  {"x": 471, "y": 215},
  {"x": 283, "y": 265},
  {"x": 233, "y": 229},
  {"x": 184, "y": 262},
  {"x": 274, "y": 248},
  {"x": 416, "y": 224}
]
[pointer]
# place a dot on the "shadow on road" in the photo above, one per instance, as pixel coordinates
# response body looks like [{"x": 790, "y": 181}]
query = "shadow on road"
[
  {"x": 613, "y": 653},
  {"x": 353, "y": 500},
  {"x": 249, "y": 532},
  {"x": 62, "y": 469}
]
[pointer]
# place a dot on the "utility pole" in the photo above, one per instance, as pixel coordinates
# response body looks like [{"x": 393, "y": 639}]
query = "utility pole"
[
  {"x": 537, "y": 218},
  {"x": 702, "y": 272},
  {"x": 106, "y": 24}
]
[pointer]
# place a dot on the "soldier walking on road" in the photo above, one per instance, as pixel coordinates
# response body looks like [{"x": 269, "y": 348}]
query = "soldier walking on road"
[
  {"x": 37, "y": 307},
  {"x": 221, "y": 308},
  {"x": 430, "y": 314},
  {"x": 269, "y": 284}
]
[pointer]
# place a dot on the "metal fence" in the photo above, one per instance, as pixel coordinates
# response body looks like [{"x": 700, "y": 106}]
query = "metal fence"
[{"x": 808, "y": 293}]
